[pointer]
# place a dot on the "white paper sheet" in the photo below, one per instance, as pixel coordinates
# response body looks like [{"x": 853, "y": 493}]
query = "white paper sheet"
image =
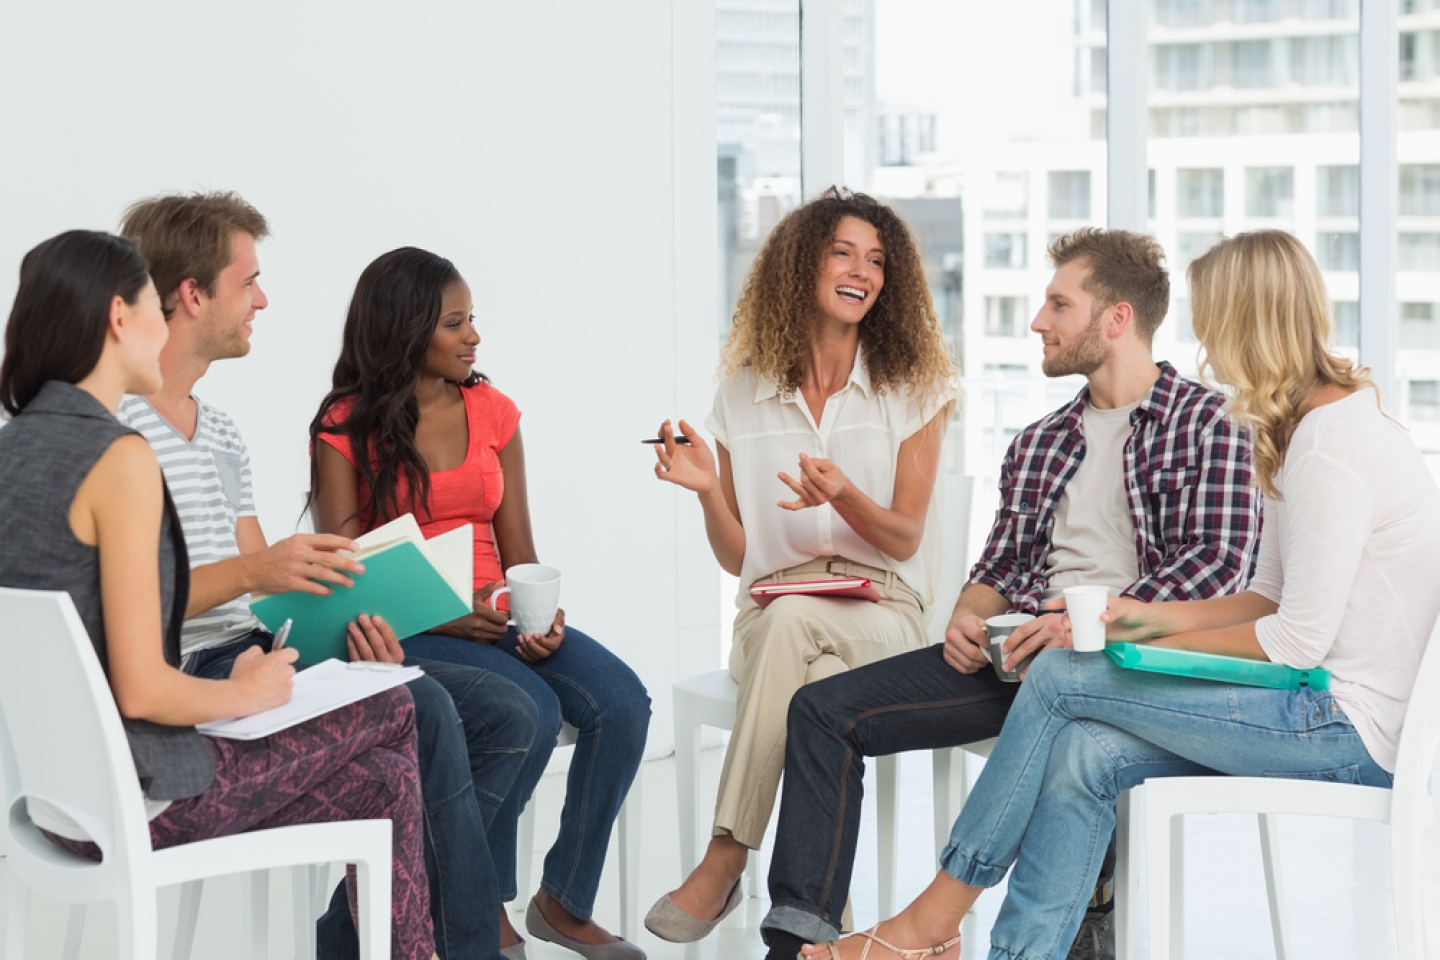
[{"x": 320, "y": 689}]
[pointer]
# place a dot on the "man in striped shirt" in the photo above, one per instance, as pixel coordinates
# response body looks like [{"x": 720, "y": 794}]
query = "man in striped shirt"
[
  {"x": 474, "y": 727},
  {"x": 1140, "y": 484}
]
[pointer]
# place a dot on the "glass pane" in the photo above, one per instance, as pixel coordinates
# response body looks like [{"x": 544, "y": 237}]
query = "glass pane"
[
  {"x": 757, "y": 80},
  {"x": 1254, "y": 125},
  {"x": 1269, "y": 191},
  {"x": 1015, "y": 101},
  {"x": 1417, "y": 319}
]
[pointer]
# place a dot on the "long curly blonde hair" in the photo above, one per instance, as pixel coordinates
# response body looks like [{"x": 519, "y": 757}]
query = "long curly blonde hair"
[
  {"x": 1261, "y": 313},
  {"x": 900, "y": 337}
]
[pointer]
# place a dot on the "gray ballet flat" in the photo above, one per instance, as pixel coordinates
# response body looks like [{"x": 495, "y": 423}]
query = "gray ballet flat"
[
  {"x": 516, "y": 951},
  {"x": 540, "y": 929},
  {"x": 669, "y": 922}
]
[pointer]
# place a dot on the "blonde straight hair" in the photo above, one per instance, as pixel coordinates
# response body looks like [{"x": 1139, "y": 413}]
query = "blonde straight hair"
[{"x": 1262, "y": 316}]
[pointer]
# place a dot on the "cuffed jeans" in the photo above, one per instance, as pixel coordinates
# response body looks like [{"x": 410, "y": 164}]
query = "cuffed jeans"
[
  {"x": 911, "y": 701},
  {"x": 474, "y": 729},
  {"x": 590, "y": 688},
  {"x": 1081, "y": 730}
]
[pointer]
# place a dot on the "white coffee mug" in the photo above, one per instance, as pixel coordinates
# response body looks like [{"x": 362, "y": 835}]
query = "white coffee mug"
[
  {"x": 534, "y": 592},
  {"x": 1084, "y": 606}
]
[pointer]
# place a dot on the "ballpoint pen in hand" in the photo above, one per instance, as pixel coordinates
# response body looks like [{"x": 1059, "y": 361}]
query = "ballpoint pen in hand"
[{"x": 281, "y": 636}]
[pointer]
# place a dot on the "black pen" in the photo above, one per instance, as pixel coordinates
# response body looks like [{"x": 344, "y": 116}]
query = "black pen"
[{"x": 679, "y": 438}]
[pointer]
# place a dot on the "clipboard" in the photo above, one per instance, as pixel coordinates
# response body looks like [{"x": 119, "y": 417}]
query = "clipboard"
[
  {"x": 1212, "y": 666},
  {"x": 843, "y": 588}
]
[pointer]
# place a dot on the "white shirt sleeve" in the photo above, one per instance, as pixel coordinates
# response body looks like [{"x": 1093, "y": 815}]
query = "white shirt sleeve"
[
  {"x": 1322, "y": 535},
  {"x": 1269, "y": 580},
  {"x": 941, "y": 401},
  {"x": 715, "y": 423}
]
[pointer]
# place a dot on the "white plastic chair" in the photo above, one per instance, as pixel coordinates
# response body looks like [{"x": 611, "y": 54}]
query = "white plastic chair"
[
  {"x": 709, "y": 700},
  {"x": 628, "y": 828},
  {"x": 61, "y": 741},
  {"x": 1153, "y": 813}
]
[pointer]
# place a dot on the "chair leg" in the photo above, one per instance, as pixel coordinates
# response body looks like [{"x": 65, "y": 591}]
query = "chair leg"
[
  {"x": 136, "y": 924},
  {"x": 186, "y": 919},
  {"x": 1274, "y": 886},
  {"x": 256, "y": 914},
  {"x": 16, "y": 919},
  {"x": 373, "y": 898},
  {"x": 948, "y": 795},
  {"x": 630, "y": 829},
  {"x": 74, "y": 932},
  {"x": 687, "y": 787},
  {"x": 1164, "y": 878},
  {"x": 524, "y": 855},
  {"x": 886, "y": 775},
  {"x": 1411, "y": 811},
  {"x": 303, "y": 881},
  {"x": 1126, "y": 885}
]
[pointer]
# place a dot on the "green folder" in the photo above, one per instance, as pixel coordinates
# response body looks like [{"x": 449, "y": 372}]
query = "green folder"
[
  {"x": 1211, "y": 666},
  {"x": 399, "y": 584}
]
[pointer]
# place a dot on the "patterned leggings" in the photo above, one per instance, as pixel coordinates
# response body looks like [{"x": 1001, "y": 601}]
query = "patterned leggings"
[{"x": 354, "y": 763}]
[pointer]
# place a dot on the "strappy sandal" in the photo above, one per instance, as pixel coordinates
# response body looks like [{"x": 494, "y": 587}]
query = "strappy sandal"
[{"x": 871, "y": 939}]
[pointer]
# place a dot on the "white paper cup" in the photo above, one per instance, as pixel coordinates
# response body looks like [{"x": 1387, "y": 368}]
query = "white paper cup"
[
  {"x": 1084, "y": 606},
  {"x": 534, "y": 590}
]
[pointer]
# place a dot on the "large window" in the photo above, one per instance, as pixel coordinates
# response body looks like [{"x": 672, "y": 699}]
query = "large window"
[
  {"x": 1269, "y": 191},
  {"x": 757, "y": 78},
  {"x": 1199, "y": 193},
  {"x": 1018, "y": 158}
]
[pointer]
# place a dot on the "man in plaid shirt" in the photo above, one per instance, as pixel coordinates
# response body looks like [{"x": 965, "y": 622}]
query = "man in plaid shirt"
[{"x": 1140, "y": 484}]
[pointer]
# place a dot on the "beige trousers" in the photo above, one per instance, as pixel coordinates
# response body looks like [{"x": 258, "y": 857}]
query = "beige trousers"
[{"x": 777, "y": 650}]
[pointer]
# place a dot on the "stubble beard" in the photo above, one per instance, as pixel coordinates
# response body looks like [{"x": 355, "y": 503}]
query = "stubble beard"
[{"x": 1086, "y": 355}]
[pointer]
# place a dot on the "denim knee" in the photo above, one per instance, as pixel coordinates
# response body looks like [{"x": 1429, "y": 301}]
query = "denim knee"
[
  {"x": 808, "y": 708},
  {"x": 434, "y": 711},
  {"x": 547, "y": 716},
  {"x": 630, "y": 711}
]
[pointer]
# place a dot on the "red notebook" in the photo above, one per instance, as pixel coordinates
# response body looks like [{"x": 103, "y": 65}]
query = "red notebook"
[{"x": 846, "y": 588}]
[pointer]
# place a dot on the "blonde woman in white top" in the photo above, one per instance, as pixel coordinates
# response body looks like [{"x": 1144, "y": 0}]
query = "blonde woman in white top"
[
  {"x": 836, "y": 390},
  {"x": 1348, "y": 570}
]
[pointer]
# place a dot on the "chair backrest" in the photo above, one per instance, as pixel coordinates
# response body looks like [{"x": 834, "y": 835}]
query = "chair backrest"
[
  {"x": 61, "y": 739},
  {"x": 954, "y": 552},
  {"x": 1420, "y": 737}
]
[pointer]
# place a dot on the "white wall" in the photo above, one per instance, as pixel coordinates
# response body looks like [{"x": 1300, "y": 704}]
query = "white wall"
[{"x": 562, "y": 154}]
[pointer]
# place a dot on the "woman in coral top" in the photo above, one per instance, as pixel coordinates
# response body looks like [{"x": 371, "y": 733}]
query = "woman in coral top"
[{"x": 408, "y": 426}]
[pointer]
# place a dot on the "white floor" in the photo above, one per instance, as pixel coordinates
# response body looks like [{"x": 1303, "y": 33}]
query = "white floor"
[{"x": 1338, "y": 897}]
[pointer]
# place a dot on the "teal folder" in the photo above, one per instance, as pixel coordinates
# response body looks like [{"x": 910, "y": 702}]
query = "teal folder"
[
  {"x": 399, "y": 584},
  {"x": 1210, "y": 666}
]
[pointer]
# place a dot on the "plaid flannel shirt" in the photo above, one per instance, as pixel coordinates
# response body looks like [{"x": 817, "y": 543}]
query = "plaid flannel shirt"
[{"x": 1188, "y": 481}]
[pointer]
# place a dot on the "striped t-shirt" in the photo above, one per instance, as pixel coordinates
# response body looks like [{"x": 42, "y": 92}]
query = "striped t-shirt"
[{"x": 209, "y": 480}]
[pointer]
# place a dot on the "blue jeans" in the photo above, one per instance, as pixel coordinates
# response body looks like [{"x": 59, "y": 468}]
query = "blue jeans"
[
  {"x": 474, "y": 729},
  {"x": 1081, "y": 730},
  {"x": 590, "y": 688},
  {"x": 912, "y": 701}
]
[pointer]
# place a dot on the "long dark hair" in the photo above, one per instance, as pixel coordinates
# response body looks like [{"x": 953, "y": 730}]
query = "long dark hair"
[
  {"x": 388, "y": 329},
  {"x": 62, "y": 310}
]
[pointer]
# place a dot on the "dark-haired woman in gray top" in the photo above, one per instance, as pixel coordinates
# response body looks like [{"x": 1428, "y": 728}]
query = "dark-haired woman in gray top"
[{"x": 84, "y": 509}]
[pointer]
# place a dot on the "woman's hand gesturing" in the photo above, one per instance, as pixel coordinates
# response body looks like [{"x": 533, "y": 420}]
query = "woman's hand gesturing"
[
  {"x": 691, "y": 466},
  {"x": 820, "y": 482}
]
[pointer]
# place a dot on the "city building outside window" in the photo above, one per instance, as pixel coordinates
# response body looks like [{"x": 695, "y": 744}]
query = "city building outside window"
[
  {"x": 1200, "y": 193},
  {"x": 1269, "y": 191},
  {"x": 1006, "y": 317},
  {"x": 1005, "y": 251},
  {"x": 1070, "y": 194}
]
